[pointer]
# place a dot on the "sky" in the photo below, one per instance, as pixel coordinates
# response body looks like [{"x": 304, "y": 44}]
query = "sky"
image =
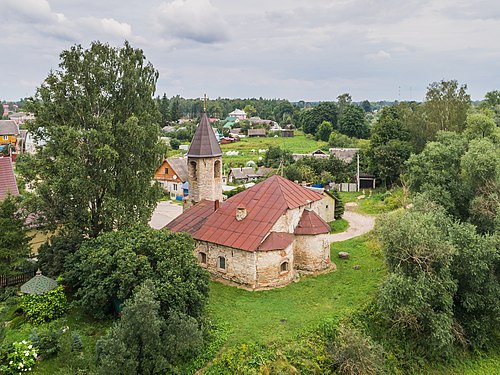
[{"x": 290, "y": 49}]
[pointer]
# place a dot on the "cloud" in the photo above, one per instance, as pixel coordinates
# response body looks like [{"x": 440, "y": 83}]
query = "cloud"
[
  {"x": 196, "y": 20},
  {"x": 107, "y": 26},
  {"x": 379, "y": 56}
]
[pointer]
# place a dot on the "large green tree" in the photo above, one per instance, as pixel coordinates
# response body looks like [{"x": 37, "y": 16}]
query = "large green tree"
[
  {"x": 99, "y": 121},
  {"x": 446, "y": 105},
  {"x": 352, "y": 122},
  {"x": 14, "y": 242},
  {"x": 105, "y": 270},
  {"x": 389, "y": 146}
]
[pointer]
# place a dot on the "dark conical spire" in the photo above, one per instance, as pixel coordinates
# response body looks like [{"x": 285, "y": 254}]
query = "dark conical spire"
[{"x": 204, "y": 143}]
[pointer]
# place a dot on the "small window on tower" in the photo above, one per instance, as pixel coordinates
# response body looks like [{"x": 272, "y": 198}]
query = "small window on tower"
[
  {"x": 203, "y": 258},
  {"x": 284, "y": 267},
  {"x": 217, "y": 168},
  {"x": 192, "y": 170}
]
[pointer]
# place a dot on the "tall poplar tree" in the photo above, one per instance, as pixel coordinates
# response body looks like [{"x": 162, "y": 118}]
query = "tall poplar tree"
[{"x": 99, "y": 123}]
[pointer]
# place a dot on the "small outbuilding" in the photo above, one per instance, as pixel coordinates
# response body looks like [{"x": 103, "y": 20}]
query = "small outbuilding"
[{"x": 38, "y": 284}]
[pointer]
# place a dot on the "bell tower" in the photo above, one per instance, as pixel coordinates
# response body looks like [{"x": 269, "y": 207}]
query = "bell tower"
[{"x": 204, "y": 163}]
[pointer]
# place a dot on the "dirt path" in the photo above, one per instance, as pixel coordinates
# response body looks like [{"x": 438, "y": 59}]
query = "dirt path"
[{"x": 358, "y": 224}]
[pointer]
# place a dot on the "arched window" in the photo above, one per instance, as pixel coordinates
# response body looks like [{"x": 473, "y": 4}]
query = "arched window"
[
  {"x": 193, "y": 173},
  {"x": 217, "y": 168},
  {"x": 221, "y": 263},
  {"x": 284, "y": 267},
  {"x": 203, "y": 258}
]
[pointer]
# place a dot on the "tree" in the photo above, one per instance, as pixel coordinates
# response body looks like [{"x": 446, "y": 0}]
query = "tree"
[
  {"x": 175, "y": 111},
  {"x": 480, "y": 125},
  {"x": 164, "y": 108},
  {"x": 98, "y": 119},
  {"x": 367, "y": 107},
  {"x": 337, "y": 139},
  {"x": 14, "y": 242},
  {"x": 446, "y": 105},
  {"x": 275, "y": 156},
  {"x": 250, "y": 110},
  {"x": 105, "y": 270},
  {"x": 324, "y": 131},
  {"x": 53, "y": 253},
  {"x": 389, "y": 146},
  {"x": 311, "y": 119},
  {"x": 352, "y": 122}
]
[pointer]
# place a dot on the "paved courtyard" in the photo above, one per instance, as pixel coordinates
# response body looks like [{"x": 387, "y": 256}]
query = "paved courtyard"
[{"x": 164, "y": 213}]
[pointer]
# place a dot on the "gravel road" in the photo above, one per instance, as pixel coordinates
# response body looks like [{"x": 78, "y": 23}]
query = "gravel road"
[{"x": 358, "y": 224}]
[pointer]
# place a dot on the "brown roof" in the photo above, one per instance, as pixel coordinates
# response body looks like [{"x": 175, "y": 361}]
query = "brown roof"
[
  {"x": 344, "y": 154},
  {"x": 192, "y": 219},
  {"x": 8, "y": 127},
  {"x": 204, "y": 143},
  {"x": 252, "y": 132},
  {"x": 7, "y": 179},
  {"x": 277, "y": 241},
  {"x": 179, "y": 166},
  {"x": 311, "y": 223},
  {"x": 264, "y": 203}
]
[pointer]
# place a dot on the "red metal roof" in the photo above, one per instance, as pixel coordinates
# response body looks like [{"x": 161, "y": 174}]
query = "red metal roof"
[
  {"x": 264, "y": 203},
  {"x": 7, "y": 179},
  {"x": 276, "y": 241},
  {"x": 192, "y": 219},
  {"x": 311, "y": 223}
]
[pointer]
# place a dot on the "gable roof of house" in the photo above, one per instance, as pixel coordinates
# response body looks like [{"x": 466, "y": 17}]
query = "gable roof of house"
[
  {"x": 344, "y": 154},
  {"x": 8, "y": 127},
  {"x": 311, "y": 223},
  {"x": 256, "y": 132},
  {"x": 243, "y": 172},
  {"x": 179, "y": 165},
  {"x": 8, "y": 183},
  {"x": 264, "y": 203},
  {"x": 204, "y": 143}
]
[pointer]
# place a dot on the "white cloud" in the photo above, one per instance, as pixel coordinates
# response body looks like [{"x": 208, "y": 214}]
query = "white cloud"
[
  {"x": 106, "y": 26},
  {"x": 378, "y": 56},
  {"x": 196, "y": 20}
]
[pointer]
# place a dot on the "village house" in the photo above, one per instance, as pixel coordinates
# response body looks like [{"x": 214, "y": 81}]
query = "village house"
[
  {"x": 21, "y": 117},
  {"x": 238, "y": 114},
  {"x": 9, "y": 132},
  {"x": 172, "y": 174},
  {"x": 259, "y": 238},
  {"x": 257, "y": 133},
  {"x": 247, "y": 174},
  {"x": 8, "y": 184}
]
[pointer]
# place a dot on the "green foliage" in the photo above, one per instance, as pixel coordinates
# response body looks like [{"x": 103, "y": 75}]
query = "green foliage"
[
  {"x": 52, "y": 254},
  {"x": 324, "y": 131},
  {"x": 20, "y": 358},
  {"x": 98, "y": 119},
  {"x": 40, "y": 308},
  {"x": 311, "y": 119},
  {"x": 175, "y": 143},
  {"x": 480, "y": 125},
  {"x": 338, "y": 225},
  {"x": 339, "y": 204},
  {"x": 353, "y": 353},
  {"x": 14, "y": 243},
  {"x": 352, "y": 122},
  {"x": 143, "y": 342},
  {"x": 47, "y": 341},
  {"x": 337, "y": 139},
  {"x": 389, "y": 146},
  {"x": 235, "y": 191},
  {"x": 275, "y": 155},
  {"x": 446, "y": 105},
  {"x": 105, "y": 271}
]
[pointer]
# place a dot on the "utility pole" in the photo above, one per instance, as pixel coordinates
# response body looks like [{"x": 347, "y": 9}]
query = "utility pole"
[{"x": 357, "y": 175}]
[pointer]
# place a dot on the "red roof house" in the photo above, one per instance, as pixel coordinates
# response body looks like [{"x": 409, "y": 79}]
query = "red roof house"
[
  {"x": 8, "y": 183},
  {"x": 260, "y": 237}
]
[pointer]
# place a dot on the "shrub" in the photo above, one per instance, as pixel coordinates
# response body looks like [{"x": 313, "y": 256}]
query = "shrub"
[
  {"x": 20, "y": 358},
  {"x": 52, "y": 254},
  {"x": 40, "y": 308},
  {"x": 46, "y": 341},
  {"x": 354, "y": 353}
]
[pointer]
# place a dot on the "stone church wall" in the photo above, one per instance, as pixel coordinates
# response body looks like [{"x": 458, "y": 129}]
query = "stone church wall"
[
  {"x": 312, "y": 252},
  {"x": 269, "y": 273}
]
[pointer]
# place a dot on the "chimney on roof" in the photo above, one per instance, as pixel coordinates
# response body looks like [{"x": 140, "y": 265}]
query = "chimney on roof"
[
  {"x": 216, "y": 204},
  {"x": 241, "y": 213}
]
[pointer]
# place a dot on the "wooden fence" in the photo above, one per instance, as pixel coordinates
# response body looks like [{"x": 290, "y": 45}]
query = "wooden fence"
[{"x": 15, "y": 280}]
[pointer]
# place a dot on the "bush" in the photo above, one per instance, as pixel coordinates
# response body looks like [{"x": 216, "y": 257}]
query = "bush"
[
  {"x": 46, "y": 341},
  {"x": 20, "y": 358},
  {"x": 52, "y": 254},
  {"x": 353, "y": 353},
  {"x": 40, "y": 308}
]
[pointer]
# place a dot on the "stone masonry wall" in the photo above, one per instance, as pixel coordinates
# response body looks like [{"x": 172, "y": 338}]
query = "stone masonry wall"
[
  {"x": 312, "y": 252},
  {"x": 269, "y": 274},
  {"x": 206, "y": 183}
]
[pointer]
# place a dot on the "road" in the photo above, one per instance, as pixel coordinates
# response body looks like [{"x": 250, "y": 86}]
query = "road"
[
  {"x": 358, "y": 224},
  {"x": 164, "y": 213}
]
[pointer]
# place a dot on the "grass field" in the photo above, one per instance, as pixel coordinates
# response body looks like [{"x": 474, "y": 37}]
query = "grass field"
[
  {"x": 338, "y": 226},
  {"x": 282, "y": 314},
  {"x": 299, "y": 144}
]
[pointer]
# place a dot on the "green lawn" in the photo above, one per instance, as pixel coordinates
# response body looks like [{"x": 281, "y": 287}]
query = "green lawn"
[
  {"x": 299, "y": 144},
  {"x": 377, "y": 201},
  {"x": 338, "y": 226},
  {"x": 282, "y": 314}
]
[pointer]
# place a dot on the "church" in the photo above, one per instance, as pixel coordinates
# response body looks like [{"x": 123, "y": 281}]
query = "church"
[{"x": 261, "y": 237}]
